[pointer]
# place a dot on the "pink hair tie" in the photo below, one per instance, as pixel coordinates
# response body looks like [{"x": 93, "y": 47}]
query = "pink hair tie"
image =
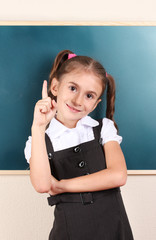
[
  {"x": 106, "y": 74},
  {"x": 71, "y": 55}
]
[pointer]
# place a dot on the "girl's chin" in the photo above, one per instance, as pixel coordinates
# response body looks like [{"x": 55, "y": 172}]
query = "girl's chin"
[{"x": 69, "y": 118}]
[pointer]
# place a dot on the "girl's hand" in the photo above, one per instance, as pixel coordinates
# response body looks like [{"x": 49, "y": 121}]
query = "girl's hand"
[
  {"x": 56, "y": 186},
  {"x": 45, "y": 109}
]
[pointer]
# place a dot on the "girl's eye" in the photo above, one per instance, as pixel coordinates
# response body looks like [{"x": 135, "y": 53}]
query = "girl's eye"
[
  {"x": 90, "y": 96},
  {"x": 72, "y": 88}
]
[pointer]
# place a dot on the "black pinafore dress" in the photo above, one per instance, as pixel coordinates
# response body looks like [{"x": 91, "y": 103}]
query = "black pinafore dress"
[{"x": 98, "y": 215}]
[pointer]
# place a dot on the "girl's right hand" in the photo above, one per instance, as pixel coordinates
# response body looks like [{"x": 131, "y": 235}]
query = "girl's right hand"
[{"x": 45, "y": 109}]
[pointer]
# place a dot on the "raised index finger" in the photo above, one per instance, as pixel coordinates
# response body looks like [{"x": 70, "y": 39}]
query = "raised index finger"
[{"x": 44, "y": 90}]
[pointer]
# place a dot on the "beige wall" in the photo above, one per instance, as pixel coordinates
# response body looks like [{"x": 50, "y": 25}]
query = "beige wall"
[
  {"x": 99, "y": 10},
  {"x": 24, "y": 213}
]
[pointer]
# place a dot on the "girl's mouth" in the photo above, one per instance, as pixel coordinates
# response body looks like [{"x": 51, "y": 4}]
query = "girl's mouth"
[{"x": 72, "y": 108}]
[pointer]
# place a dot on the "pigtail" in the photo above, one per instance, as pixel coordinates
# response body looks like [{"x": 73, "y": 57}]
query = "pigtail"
[
  {"x": 111, "y": 99},
  {"x": 59, "y": 60}
]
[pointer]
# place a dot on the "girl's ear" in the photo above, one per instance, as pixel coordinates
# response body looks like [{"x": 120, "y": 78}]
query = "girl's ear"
[
  {"x": 99, "y": 100},
  {"x": 54, "y": 86}
]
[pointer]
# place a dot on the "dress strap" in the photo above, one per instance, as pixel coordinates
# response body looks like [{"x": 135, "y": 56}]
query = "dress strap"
[
  {"x": 97, "y": 131},
  {"x": 49, "y": 146}
]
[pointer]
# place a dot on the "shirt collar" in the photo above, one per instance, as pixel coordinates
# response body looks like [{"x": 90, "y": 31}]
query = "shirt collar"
[
  {"x": 56, "y": 128},
  {"x": 88, "y": 121}
]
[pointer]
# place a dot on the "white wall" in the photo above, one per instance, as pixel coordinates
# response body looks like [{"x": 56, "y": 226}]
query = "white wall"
[{"x": 24, "y": 213}]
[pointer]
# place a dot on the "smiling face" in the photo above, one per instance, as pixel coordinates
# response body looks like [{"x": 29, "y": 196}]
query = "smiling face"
[{"x": 77, "y": 95}]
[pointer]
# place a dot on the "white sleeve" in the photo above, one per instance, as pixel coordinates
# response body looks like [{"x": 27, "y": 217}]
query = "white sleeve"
[
  {"x": 27, "y": 150},
  {"x": 109, "y": 131}
]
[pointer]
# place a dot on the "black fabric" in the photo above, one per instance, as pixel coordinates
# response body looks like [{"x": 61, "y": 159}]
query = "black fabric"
[
  {"x": 99, "y": 215},
  {"x": 84, "y": 197}
]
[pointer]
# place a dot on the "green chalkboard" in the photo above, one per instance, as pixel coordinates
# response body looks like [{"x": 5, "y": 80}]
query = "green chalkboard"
[{"x": 127, "y": 52}]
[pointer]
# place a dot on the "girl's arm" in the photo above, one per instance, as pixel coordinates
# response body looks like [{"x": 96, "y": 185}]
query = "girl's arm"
[
  {"x": 40, "y": 173},
  {"x": 114, "y": 176}
]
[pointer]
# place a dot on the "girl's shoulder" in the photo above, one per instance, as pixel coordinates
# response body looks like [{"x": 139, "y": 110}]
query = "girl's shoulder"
[
  {"x": 109, "y": 131},
  {"x": 107, "y": 122},
  {"x": 27, "y": 149}
]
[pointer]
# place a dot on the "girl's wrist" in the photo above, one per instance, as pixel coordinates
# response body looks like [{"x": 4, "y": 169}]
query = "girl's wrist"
[
  {"x": 35, "y": 128},
  {"x": 62, "y": 185}
]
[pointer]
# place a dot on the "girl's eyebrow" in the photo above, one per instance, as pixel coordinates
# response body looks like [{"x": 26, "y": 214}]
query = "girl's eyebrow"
[{"x": 79, "y": 87}]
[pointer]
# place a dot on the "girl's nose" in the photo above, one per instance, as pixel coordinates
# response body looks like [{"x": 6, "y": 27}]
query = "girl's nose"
[{"x": 77, "y": 100}]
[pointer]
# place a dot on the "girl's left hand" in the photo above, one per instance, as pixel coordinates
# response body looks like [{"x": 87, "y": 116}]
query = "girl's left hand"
[{"x": 55, "y": 186}]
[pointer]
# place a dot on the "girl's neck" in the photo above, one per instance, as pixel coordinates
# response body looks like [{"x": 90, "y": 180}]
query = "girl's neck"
[{"x": 67, "y": 123}]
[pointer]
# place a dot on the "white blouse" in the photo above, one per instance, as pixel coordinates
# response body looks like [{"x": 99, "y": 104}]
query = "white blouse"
[{"x": 63, "y": 137}]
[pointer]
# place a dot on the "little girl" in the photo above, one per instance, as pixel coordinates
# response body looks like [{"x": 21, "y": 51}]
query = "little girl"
[{"x": 77, "y": 160}]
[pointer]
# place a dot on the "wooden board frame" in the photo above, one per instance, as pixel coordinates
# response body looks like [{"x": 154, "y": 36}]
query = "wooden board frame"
[
  {"x": 27, "y": 172},
  {"x": 77, "y": 23}
]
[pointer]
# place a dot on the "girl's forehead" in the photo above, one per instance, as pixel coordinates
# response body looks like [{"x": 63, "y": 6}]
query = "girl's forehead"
[{"x": 77, "y": 75}]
